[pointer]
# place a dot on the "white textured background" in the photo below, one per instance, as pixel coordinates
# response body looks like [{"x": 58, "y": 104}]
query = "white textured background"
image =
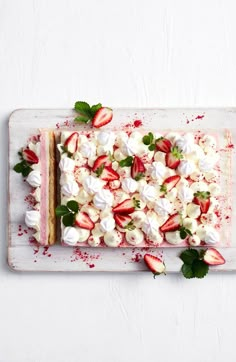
[{"x": 123, "y": 53}]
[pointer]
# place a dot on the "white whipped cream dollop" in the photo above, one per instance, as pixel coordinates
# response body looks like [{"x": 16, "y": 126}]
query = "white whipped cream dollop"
[
  {"x": 92, "y": 212},
  {"x": 207, "y": 163},
  {"x": 150, "y": 226},
  {"x": 214, "y": 189},
  {"x": 148, "y": 193},
  {"x": 163, "y": 207},
  {"x": 158, "y": 170},
  {"x": 212, "y": 236},
  {"x": 81, "y": 174},
  {"x": 134, "y": 237},
  {"x": 107, "y": 224},
  {"x": 186, "y": 143},
  {"x": 129, "y": 147},
  {"x": 70, "y": 236},
  {"x": 173, "y": 237},
  {"x": 190, "y": 224},
  {"x": 105, "y": 138},
  {"x": 113, "y": 238},
  {"x": 94, "y": 241},
  {"x": 185, "y": 194},
  {"x": 36, "y": 194},
  {"x": 69, "y": 189},
  {"x": 88, "y": 149},
  {"x": 207, "y": 142},
  {"x": 194, "y": 240},
  {"x": 92, "y": 185},
  {"x": 193, "y": 211},
  {"x": 32, "y": 219},
  {"x": 129, "y": 185},
  {"x": 34, "y": 179},
  {"x": 138, "y": 218},
  {"x": 103, "y": 199},
  {"x": 66, "y": 177},
  {"x": 199, "y": 186},
  {"x": 67, "y": 164},
  {"x": 83, "y": 234},
  {"x": 186, "y": 167}
]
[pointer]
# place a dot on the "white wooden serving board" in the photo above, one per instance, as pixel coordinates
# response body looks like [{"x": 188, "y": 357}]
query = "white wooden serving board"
[{"x": 24, "y": 256}]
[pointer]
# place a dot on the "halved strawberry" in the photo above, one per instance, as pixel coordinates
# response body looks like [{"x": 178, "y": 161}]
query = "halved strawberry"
[
  {"x": 213, "y": 257},
  {"x": 172, "y": 224},
  {"x": 173, "y": 158},
  {"x": 83, "y": 221},
  {"x": 124, "y": 221},
  {"x": 169, "y": 183},
  {"x": 102, "y": 116},
  {"x": 127, "y": 206},
  {"x": 163, "y": 145},
  {"x": 137, "y": 168},
  {"x": 30, "y": 156},
  {"x": 155, "y": 264},
  {"x": 202, "y": 198},
  {"x": 101, "y": 160},
  {"x": 108, "y": 174},
  {"x": 71, "y": 143}
]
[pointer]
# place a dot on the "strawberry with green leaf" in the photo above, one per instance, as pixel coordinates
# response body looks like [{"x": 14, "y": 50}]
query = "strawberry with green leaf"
[
  {"x": 202, "y": 198},
  {"x": 97, "y": 114},
  {"x": 173, "y": 158}
]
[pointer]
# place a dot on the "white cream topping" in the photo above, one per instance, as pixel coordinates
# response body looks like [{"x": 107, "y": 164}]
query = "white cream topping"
[
  {"x": 71, "y": 188},
  {"x": 66, "y": 177},
  {"x": 150, "y": 226},
  {"x": 207, "y": 142},
  {"x": 214, "y": 189},
  {"x": 209, "y": 219},
  {"x": 88, "y": 149},
  {"x": 199, "y": 186},
  {"x": 36, "y": 194},
  {"x": 134, "y": 237},
  {"x": 173, "y": 237},
  {"x": 211, "y": 175},
  {"x": 129, "y": 185},
  {"x": 107, "y": 224},
  {"x": 163, "y": 207},
  {"x": 34, "y": 179},
  {"x": 83, "y": 234},
  {"x": 212, "y": 236},
  {"x": 113, "y": 238},
  {"x": 32, "y": 219},
  {"x": 160, "y": 157},
  {"x": 92, "y": 185},
  {"x": 190, "y": 224},
  {"x": 197, "y": 176},
  {"x": 114, "y": 185},
  {"x": 92, "y": 212},
  {"x": 83, "y": 197},
  {"x": 129, "y": 147},
  {"x": 201, "y": 232},
  {"x": 158, "y": 170},
  {"x": 186, "y": 167},
  {"x": 81, "y": 174},
  {"x": 94, "y": 241},
  {"x": 185, "y": 194},
  {"x": 186, "y": 143},
  {"x": 103, "y": 199},
  {"x": 67, "y": 164},
  {"x": 172, "y": 194},
  {"x": 138, "y": 218},
  {"x": 118, "y": 155},
  {"x": 194, "y": 240},
  {"x": 193, "y": 211},
  {"x": 97, "y": 232},
  {"x": 106, "y": 138},
  {"x": 207, "y": 163},
  {"x": 70, "y": 236},
  {"x": 148, "y": 193}
]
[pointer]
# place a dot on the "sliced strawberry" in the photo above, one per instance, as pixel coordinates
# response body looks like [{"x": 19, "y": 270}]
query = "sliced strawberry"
[
  {"x": 169, "y": 183},
  {"x": 213, "y": 257},
  {"x": 173, "y": 158},
  {"x": 83, "y": 221},
  {"x": 102, "y": 116},
  {"x": 202, "y": 198},
  {"x": 124, "y": 221},
  {"x": 127, "y": 206},
  {"x": 108, "y": 174},
  {"x": 172, "y": 224},
  {"x": 163, "y": 145},
  {"x": 137, "y": 168},
  {"x": 155, "y": 264},
  {"x": 30, "y": 156},
  {"x": 71, "y": 143},
  {"x": 100, "y": 161}
]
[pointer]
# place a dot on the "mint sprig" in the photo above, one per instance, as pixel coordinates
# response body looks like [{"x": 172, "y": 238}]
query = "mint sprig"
[
  {"x": 127, "y": 162},
  {"x": 23, "y": 167},
  {"x": 149, "y": 141},
  {"x": 184, "y": 232},
  {"x": 194, "y": 266},
  {"x": 86, "y": 113},
  {"x": 68, "y": 212}
]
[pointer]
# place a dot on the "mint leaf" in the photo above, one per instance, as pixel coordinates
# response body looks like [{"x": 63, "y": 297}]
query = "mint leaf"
[
  {"x": 82, "y": 119},
  {"x": 189, "y": 255},
  {"x": 187, "y": 271},
  {"x": 73, "y": 205},
  {"x": 62, "y": 210},
  {"x": 127, "y": 162},
  {"x": 26, "y": 170},
  {"x": 19, "y": 167},
  {"x": 151, "y": 136},
  {"x": 83, "y": 108},
  {"x": 139, "y": 176},
  {"x": 99, "y": 170},
  {"x": 95, "y": 108},
  {"x": 183, "y": 234},
  {"x": 200, "y": 269},
  {"x": 152, "y": 147},
  {"x": 146, "y": 140},
  {"x": 68, "y": 220}
]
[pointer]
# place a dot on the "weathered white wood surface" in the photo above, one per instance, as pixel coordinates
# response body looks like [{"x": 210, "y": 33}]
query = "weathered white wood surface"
[{"x": 23, "y": 256}]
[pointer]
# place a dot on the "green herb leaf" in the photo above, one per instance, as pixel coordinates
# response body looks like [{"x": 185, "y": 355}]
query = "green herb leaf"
[
  {"x": 152, "y": 147},
  {"x": 183, "y": 234},
  {"x": 73, "y": 205},
  {"x": 83, "y": 108},
  {"x": 68, "y": 220},
  {"x": 163, "y": 188},
  {"x": 26, "y": 171},
  {"x": 187, "y": 271},
  {"x": 200, "y": 269},
  {"x": 139, "y": 176},
  {"x": 62, "y": 210},
  {"x": 130, "y": 226},
  {"x": 189, "y": 255},
  {"x": 19, "y": 167},
  {"x": 99, "y": 170},
  {"x": 146, "y": 140},
  {"x": 82, "y": 119},
  {"x": 150, "y": 134},
  {"x": 95, "y": 108},
  {"x": 127, "y": 162}
]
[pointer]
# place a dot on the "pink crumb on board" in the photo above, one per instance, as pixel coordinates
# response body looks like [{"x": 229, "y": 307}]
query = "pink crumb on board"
[
  {"x": 85, "y": 257},
  {"x": 138, "y": 123},
  {"x": 198, "y": 117}
]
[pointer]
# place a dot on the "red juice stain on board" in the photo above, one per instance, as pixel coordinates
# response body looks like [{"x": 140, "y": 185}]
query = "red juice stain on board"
[
  {"x": 138, "y": 123},
  {"x": 200, "y": 116}
]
